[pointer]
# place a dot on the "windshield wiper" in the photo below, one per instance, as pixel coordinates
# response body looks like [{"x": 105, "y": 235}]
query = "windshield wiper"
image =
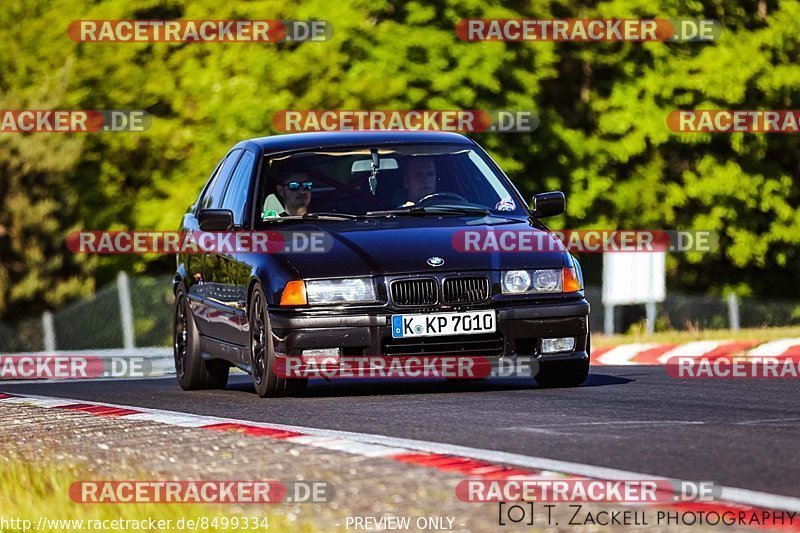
[
  {"x": 341, "y": 216},
  {"x": 312, "y": 216},
  {"x": 423, "y": 211}
]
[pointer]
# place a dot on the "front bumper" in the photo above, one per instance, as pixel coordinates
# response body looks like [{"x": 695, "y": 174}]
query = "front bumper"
[{"x": 519, "y": 333}]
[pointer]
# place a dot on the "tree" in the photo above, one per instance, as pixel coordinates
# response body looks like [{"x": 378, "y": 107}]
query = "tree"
[{"x": 602, "y": 136}]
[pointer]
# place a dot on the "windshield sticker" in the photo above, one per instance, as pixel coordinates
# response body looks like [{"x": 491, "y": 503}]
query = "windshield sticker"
[{"x": 506, "y": 204}]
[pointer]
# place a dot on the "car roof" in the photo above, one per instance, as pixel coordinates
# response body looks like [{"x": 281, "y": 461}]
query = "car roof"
[{"x": 301, "y": 141}]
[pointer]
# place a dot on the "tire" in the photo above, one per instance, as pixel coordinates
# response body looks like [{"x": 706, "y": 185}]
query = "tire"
[
  {"x": 262, "y": 352},
  {"x": 193, "y": 372},
  {"x": 559, "y": 374}
]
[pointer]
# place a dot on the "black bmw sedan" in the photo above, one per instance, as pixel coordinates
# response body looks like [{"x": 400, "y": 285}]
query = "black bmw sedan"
[{"x": 391, "y": 244}]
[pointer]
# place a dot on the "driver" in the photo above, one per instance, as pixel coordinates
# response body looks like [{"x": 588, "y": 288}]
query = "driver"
[
  {"x": 420, "y": 179},
  {"x": 294, "y": 191}
]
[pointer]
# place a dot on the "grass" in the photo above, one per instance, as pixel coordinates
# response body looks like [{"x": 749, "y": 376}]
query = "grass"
[
  {"x": 29, "y": 491},
  {"x": 679, "y": 337}
]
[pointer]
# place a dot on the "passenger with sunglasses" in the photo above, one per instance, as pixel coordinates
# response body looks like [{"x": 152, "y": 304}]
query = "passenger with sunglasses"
[{"x": 295, "y": 193}]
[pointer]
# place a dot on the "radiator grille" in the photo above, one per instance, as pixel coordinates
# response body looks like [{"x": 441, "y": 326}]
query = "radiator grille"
[
  {"x": 414, "y": 292},
  {"x": 465, "y": 290}
]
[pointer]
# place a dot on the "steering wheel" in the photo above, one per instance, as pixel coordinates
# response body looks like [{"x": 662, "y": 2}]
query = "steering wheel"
[{"x": 442, "y": 196}]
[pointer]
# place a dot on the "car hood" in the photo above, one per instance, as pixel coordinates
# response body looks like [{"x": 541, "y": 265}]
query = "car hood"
[{"x": 405, "y": 244}]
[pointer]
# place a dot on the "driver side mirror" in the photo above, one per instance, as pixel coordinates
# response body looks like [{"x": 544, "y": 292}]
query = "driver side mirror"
[
  {"x": 549, "y": 204},
  {"x": 215, "y": 219}
]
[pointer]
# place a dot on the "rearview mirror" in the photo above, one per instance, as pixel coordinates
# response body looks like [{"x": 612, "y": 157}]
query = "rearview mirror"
[
  {"x": 548, "y": 204},
  {"x": 215, "y": 219},
  {"x": 365, "y": 165}
]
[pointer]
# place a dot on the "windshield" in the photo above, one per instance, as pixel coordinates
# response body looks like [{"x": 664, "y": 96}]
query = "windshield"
[{"x": 373, "y": 180}]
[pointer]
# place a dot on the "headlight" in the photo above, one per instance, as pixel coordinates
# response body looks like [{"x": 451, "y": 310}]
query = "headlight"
[
  {"x": 349, "y": 290},
  {"x": 532, "y": 281},
  {"x": 516, "y": 281},
  {"x": 547, "y": 281}
]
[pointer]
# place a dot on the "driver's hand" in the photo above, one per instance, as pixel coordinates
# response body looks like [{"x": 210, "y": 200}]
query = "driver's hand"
[{"x": 408, "y": 204}]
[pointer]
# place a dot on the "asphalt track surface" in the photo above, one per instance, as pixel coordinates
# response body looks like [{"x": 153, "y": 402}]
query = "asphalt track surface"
[{"x": 741, "y": 433}]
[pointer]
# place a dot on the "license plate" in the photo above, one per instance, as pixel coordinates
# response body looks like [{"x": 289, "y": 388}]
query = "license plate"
[{"x": 438, "y": 324}]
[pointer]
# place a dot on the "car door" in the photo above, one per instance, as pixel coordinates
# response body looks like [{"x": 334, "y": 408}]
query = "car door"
[
  {"x": 236, "y": 275},
  {"x": 194, "y": 263},
  {"x": 213, "y": 314}
]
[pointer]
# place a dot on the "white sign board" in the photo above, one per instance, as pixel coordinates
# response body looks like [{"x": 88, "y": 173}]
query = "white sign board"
[{"x": 634, "y": 277}]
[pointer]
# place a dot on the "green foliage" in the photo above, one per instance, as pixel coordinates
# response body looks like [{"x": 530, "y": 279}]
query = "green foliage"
[{"x": 603, "y": 138}]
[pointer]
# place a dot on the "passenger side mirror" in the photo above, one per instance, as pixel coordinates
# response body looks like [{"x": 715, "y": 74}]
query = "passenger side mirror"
[
  {"x": 215, "y": 219},
  {"x": 548, "y": 204}
]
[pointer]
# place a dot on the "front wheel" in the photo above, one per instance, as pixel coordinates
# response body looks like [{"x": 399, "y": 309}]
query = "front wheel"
[
  {"x": 193, "y": 372},
  {"x": 262, "y": 353}
]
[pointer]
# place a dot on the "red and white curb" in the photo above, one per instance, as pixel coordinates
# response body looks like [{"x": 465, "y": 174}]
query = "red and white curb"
[
  {"x": 659, "y": 353},
  {"x": 472, "y": 463},
  {"x": 777, "y": 348}
]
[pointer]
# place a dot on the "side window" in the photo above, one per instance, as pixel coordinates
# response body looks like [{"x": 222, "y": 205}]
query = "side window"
[
  {"x": 213, "y": 197},
  {"x": 209, "y": 184},
  {"x": 236, "y": 194}
]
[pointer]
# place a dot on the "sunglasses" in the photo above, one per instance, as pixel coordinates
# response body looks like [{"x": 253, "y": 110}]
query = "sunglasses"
[{"x": 295, "y": 185}]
